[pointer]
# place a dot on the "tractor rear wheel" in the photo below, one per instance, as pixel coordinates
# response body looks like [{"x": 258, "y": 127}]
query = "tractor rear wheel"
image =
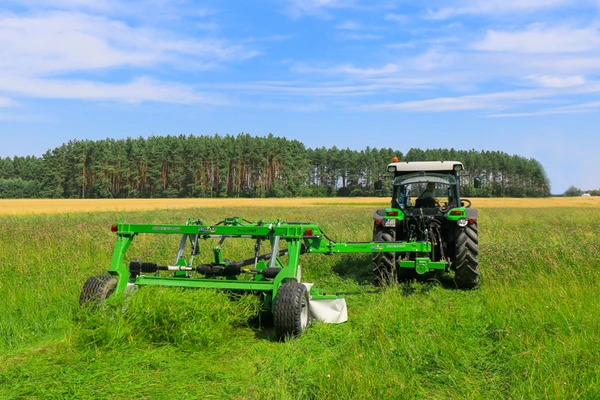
[
  {"x": 97, "y": 289},
  {"x": 291, "y": 314},
  {"x": 384, "y": 264},
  {"x": 466, "y": 271}
]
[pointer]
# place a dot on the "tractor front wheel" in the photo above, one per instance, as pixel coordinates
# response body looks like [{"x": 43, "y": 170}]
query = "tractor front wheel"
[
  {"x": 291, "y": 314},
  {"x": 466, "y": 270},
  {"x": 97, "y": 289}
]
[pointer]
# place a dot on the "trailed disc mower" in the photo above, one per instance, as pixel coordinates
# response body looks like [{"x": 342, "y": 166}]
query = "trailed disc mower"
[{"x": 275, "y": 274}]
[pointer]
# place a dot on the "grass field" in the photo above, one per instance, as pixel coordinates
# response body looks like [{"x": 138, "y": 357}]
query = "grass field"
[{"x": 530, "y": 331}]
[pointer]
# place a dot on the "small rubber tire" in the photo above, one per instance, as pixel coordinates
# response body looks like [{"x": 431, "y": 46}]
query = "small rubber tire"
[
  {"x": 97, "y": 289},
  {"x": 466, "y": 271},
  {"x": 291, "y": 313}
]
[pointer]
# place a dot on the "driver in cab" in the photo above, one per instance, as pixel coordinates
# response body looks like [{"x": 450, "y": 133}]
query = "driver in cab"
[{"x": 429, "y": 194}]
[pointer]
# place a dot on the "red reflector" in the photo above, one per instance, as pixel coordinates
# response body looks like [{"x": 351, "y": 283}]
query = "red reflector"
[
  {"x": 392, "y": 214},
  {"x": 308, "y": 232},
  {"x": 377, "y": 222},
  {"x": 471, "y": 221},
  {"x": 113, "y": 228},
  {"x": 455, "y": 212}
]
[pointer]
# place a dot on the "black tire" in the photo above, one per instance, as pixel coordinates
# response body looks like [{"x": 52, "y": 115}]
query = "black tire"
[
  {"x": 385, "y": 265},
  {"x": 466, "y": 271},
  {"x": 97, "y": 289},
  {"x": 291, "y": 314}
]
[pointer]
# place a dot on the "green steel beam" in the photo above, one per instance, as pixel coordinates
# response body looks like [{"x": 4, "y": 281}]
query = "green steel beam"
[
  {"x": 320, "y": 245},
  {"x": 263, "y": 286},
  {"x": 423, "y": 264}
]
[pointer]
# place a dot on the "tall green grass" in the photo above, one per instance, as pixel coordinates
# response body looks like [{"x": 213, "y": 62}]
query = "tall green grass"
[{"x": 530, "y": 331}]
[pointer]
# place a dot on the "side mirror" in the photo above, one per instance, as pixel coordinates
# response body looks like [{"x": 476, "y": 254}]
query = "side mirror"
[
  {"x": 477, "y": 183},
  {"x": 379, "y": 185}
]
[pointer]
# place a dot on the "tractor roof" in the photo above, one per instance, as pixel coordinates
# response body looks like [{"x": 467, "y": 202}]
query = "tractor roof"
[{"x": 418, "y": 166}]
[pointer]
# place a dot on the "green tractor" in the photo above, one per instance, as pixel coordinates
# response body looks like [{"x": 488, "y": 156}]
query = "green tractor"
[{"x": 427, "y": 209}]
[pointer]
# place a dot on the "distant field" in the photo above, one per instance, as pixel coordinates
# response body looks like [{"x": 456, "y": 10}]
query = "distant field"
[{"x": 46, "y": 206}]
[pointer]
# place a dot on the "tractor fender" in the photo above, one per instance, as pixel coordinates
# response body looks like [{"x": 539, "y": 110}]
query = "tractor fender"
[
  {"x": 472, "y": 213},
  {"x": 379, "y": 214}
]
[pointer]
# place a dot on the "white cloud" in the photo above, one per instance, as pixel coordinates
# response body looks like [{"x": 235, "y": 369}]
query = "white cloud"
[
  {"x": 357, "y": 82},
  {"x": 102, "y": 5},
  {"x": 34, "y": 48},
  {"x": 6, "y": 102},
  {"x": 300, "y": 88},
  {"x": 486, "y": 101},
  {"x": 316, "y": 8},
  {"x": 582, "y": 108},
  {"x": 349, "y": 25},
  {"x": 358, "y": 36},
  {"x": 407, "y": 45},
  {"x": 65, "y": 42},
  {"x": 540, "y": 39},
  {"x": 433, "y": 59},
  {"x": 495, "y": 7},
  {"x": 558, "y": 81},
  {"x": 141, "y": 9},
  {"x": 140, "y": 89},
  {"x": 347, "y": 69},
  {"x": 435, "y": 105},
  {"x": 396, "y": 18}
]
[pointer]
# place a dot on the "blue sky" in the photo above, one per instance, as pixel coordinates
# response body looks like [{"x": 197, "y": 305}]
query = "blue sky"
[{"x": 515, "y": 76}]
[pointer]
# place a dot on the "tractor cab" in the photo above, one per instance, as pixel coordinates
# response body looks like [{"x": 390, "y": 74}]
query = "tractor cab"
[
  {"x": 410, "y": 186},
  {"x": 411, "y": 191}
]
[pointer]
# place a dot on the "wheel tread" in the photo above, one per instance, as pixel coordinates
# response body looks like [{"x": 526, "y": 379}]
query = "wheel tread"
[
  {"x": 466, "y": 275},
  {"x": 97, "y": 289},
  {"x": 287, "y": 313}
]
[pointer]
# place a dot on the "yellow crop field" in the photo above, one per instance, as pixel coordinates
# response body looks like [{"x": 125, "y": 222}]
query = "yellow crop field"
[{"x": 46, "y": 206}]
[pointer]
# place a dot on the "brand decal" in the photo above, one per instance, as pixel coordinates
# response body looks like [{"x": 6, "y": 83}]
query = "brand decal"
[{"x": 165, "y": 228}]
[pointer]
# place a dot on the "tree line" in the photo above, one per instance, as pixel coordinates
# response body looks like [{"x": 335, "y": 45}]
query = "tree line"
[{"x": 244, "y": 166}]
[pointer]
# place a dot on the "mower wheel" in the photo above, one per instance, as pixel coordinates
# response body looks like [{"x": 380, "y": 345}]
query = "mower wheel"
[
  {"x": 291, "y": 314},
  {"x": 466, "y": 272},
  {"x": 384, "y": 264},
  {"x": 97, "y": 289}
]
